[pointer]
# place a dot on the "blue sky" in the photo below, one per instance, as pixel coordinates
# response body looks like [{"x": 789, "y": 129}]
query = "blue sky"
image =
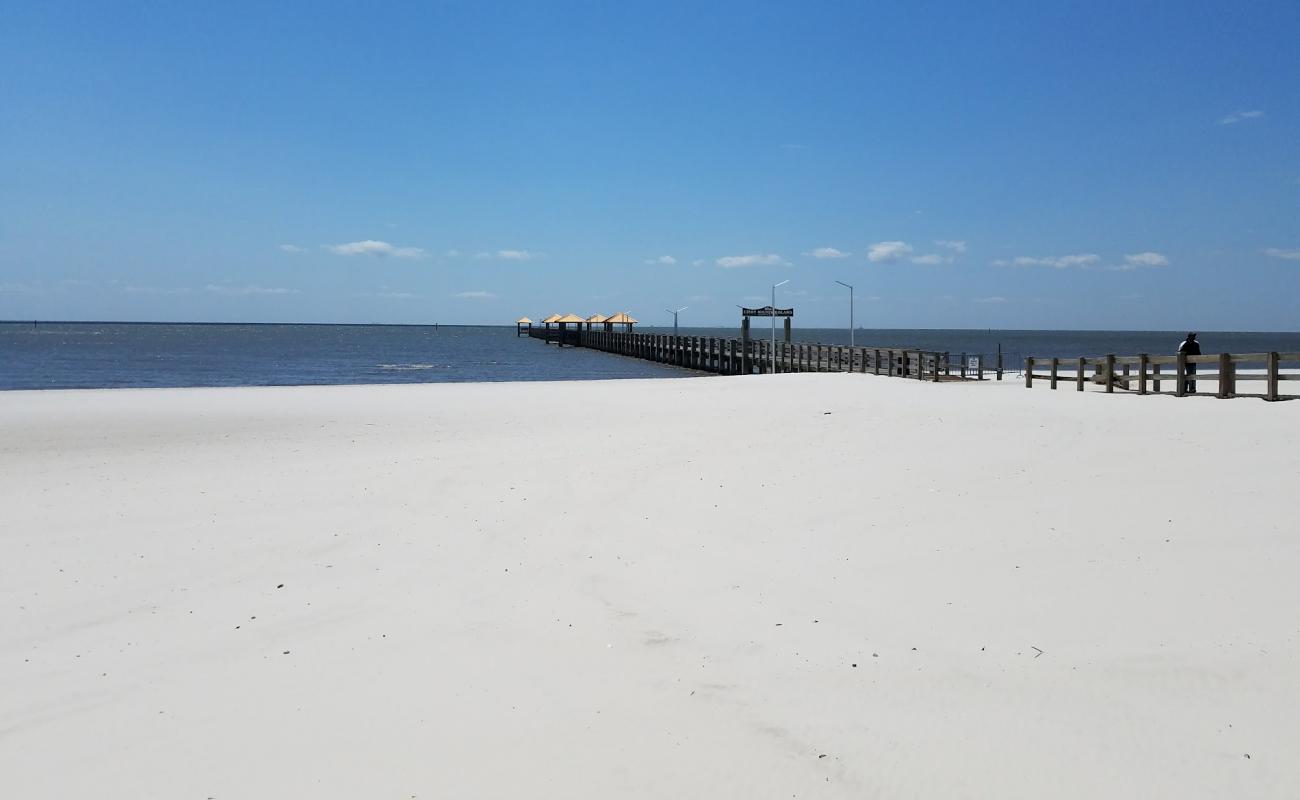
[{"x": 1023, "y": 165}]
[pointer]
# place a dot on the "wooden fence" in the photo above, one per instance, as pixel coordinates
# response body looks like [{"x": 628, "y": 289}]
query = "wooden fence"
[
  {"x": 757, "y": 356},
  {"x": 1148, "y": 374}
]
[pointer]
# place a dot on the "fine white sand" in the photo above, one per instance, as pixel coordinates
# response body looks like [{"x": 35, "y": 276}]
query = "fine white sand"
[{"x": 783, "y": 586}]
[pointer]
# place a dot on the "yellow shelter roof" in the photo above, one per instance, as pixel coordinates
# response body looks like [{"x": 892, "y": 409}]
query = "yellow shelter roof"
[
  {"x": 523, "y": 320},
  {"x": 551, "y": 318},
  {"x": 570, "y": 318},
  {"x": 622, "y": 318},
  {"x": 596, "y": 318}
]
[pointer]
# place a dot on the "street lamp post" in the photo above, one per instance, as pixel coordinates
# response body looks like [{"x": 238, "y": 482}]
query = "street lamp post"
[
  {"x": 850, "y": 288},
  {"x": 772, "y": 353},
  {"x": 675, "y": 313}
]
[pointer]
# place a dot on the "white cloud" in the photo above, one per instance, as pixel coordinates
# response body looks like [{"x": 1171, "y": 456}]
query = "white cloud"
[
  {"x": 1289, "y": 255},
  {"x": 243, "y": 291},
  {"x": 292, "y": 248},
  {"x": 1082, "y": 260},
  {"x": 155, "y": 290},
  {"x": 1238, "y": 116},
  {"x": 508, "y": 255},
  {"x": 666, "y": 260},
  {"x": 373, "y": 247},
  {"x": 475, "y": 295},
  {"x": 827, "y": 252},
  {"x": 389, "y": 295},
  {"x": 887, "y": 252},
  {"x": 1146, "y": 259},
  {"x": 755, "y": 260},
  {"x": 453, "y": 253},
  {"x": 699, "y": 262},
  {"x": 955, "y": 245},
  {"x": 930, "y": 259},
  {"x": 993, "y": 299}
]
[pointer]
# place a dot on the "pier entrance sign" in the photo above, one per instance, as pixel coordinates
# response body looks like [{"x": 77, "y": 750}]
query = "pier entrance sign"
[{"x": 766, "y": 311}]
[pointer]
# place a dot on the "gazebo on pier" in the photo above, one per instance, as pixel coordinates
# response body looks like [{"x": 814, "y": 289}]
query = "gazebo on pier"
[
  {"x": 523, "y": 325},
  {"x": 564, "y": 322},
  {"x": 595, "y": 319},
  {"x": 621, "y": 318}
]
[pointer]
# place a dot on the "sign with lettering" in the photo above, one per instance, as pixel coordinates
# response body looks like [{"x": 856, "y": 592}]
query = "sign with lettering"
[{"x": 767, "y": 311}]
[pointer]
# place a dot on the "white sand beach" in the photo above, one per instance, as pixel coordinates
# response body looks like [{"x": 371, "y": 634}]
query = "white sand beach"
[{"x": 811, "y": 586}]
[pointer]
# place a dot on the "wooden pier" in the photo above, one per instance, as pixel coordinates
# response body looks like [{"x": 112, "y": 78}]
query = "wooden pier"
[
  {"x": 757, "y": 356},
  {"x": 1148, "y": 374}
]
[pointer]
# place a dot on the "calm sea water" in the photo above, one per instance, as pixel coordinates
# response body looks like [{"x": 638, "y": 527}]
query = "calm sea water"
[{"x": 97, "y": 355}]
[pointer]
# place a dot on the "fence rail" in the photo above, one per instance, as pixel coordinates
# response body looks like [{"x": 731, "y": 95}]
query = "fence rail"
[
  {"x": 1147, "y": 374},
  {"x": 757, "y": 356}
]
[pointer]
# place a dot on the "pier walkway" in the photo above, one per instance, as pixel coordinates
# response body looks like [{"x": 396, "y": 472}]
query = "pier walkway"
[{"x": 757, "y": 356}]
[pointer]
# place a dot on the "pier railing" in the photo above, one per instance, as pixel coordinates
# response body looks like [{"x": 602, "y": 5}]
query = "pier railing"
[
  {"x": 1177, "y": 375},
  {"x": 757, "y": 356}
]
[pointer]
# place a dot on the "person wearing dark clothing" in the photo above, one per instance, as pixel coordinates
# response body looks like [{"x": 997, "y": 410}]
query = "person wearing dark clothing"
[{"x": 1190, "y": 347}]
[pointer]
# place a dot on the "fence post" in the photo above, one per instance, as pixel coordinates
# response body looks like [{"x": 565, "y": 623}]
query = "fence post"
[
  {"x": 999, "y": 360},
  {"x": 1110, "y": 373},
  {"x": 1142, "y": 373},
  {"x": 1225, "y": 376},
  {"x": 1056, "y": 362},
  {"x": 1180, "y": 389},
  {"x": 1155, "y": 378},
  {"x": 979, "y": 367},
  {"x": 1029, "y": 372},
  {"x": 1079, "y": 374},
  {"x": 1270, "y": 392}
]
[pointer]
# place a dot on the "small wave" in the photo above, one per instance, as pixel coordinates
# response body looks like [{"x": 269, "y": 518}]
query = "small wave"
[{"x": 405, "y": 366}]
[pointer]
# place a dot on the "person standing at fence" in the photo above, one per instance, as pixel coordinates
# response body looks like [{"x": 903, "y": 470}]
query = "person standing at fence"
[{"x": 1190, "y": 347}]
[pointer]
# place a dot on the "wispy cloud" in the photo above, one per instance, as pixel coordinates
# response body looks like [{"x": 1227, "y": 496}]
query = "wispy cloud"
[
  {"x": 292, "y": 248},
  {"x": 699, "y": 262},
  {"x": 453, "y": 253},
  {"x": 507, "y": 255},
  {"x": 991, "y": 299},
  {"x": 20, "y": 288},
  {"x": 155, "y": 290},
  {"x": 372, "y": 247},
  {"x": 391, "y": 295},
  {"x": 827, "y": 252},
  {"x": 1145, "y": 259},
  {"x": 1289, "y": 255},
  {"x": 754, "y": 260},
  {"x": 888, "y": 252},
  {"x": 1240, "y": 116},
  {"x": 1079, "y": 260},
  {"x": 475, "y": 295},
  {"x": 930, "y": 259},
  {"x": 244, "y": 291},
  {"x": 665, "y": 260},
  {"x": 955, "y": 245}
]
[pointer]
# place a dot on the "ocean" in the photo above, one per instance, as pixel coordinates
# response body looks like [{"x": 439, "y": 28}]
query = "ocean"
[{"x": 58, "y": 355}]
